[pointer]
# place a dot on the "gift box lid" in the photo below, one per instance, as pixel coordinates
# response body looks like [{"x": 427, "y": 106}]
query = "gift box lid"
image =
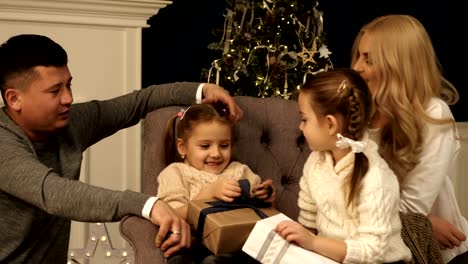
[{"x": 226, "y": 219}]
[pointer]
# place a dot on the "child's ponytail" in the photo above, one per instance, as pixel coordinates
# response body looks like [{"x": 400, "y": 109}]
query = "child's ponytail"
[{"x": 169, "y": 152}]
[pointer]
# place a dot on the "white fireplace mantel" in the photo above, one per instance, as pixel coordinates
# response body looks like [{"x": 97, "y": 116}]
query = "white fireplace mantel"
[
  {"x": 103, "y": 42},
  {"x": 120, "y": 13}
]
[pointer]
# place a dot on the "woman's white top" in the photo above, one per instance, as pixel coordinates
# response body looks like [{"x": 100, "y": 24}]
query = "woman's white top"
[{"x": 428, "y": 188}]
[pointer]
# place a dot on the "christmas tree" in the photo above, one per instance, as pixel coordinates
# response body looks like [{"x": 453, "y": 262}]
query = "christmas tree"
[{"x": 269, "y": 47}]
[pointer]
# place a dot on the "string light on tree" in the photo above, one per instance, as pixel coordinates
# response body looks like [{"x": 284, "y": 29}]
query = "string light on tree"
[{"x": 269, "y": 47}]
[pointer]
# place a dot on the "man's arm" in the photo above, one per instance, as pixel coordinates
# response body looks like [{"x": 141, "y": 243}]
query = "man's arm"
[
  {"x": 26, "y": 178},
  {"x": 100, "y": 119}
]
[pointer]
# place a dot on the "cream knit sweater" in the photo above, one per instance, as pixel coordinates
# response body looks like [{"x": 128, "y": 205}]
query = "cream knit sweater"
[
  {"x": 179, "y": 182},
  {"x": 371, "y": 229}
]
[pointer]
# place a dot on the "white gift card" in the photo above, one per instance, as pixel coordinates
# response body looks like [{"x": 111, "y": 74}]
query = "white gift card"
[{"x": 267, "y": 247}]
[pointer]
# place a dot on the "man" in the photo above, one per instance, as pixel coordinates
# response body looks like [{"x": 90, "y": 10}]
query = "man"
[{"x": 42, "y": 138}]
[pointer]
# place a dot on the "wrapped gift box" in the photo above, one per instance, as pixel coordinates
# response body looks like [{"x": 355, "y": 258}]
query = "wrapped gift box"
[
  {"x": 225, "y": 232},
  {"x": 266, "y": 246}
]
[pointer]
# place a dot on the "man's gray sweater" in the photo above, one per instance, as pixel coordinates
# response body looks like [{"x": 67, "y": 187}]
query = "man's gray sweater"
[{"x": 40, "y": 191}]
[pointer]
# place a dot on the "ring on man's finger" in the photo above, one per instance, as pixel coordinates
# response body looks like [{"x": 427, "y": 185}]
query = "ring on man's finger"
[{"x": 175, "y": 232}]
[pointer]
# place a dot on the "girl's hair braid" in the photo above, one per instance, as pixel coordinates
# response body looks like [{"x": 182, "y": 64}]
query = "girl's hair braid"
[{"x": 343, "y": 93}]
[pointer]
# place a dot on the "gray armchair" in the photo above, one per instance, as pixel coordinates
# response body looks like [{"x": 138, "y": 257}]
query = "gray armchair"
[{"x": 267, "y": 139}]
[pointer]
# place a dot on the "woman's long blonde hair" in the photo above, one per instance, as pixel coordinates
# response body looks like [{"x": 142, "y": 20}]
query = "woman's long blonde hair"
[{"x": 409, "y": 76}]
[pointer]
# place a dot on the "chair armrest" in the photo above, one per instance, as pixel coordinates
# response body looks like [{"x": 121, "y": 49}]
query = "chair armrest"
[{"x": 141, "y": 235}]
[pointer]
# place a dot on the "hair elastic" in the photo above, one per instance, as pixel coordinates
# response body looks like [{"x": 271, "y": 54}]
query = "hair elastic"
[
  {"x": 343, "y": 86},
  {"x": 182, "y": 112},
  {"x": 344, "y": 142}
]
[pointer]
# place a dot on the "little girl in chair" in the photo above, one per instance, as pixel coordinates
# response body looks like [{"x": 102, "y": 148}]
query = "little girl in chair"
[{"x": 197, "y": 153}]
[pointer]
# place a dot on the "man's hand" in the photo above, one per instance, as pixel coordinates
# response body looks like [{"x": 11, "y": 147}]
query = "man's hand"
[
  {"x": 172, "y": 226},
  {"x": 447, "y": 234},
  {"x": 213, "y": 93}
]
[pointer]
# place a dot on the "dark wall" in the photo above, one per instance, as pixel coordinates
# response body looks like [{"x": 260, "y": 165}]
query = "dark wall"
[{"x": 174, "y": 47}]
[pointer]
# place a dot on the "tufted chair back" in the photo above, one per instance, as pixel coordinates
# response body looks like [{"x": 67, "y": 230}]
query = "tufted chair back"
[{"x": 267, "y": 139}]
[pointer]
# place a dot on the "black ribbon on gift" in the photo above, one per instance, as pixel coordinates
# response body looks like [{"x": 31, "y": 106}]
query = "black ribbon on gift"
[{"x": 243, "y": 201}]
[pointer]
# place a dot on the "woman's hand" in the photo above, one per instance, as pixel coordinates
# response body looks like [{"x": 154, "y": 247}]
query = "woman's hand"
[{"x": 447, "y": 234}]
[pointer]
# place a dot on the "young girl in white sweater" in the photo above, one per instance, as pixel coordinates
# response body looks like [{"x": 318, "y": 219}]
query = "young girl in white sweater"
[{"x": 349, "y": 197}]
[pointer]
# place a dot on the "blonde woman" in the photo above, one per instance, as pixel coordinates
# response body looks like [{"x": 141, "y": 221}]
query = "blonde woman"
[{"x": 413, "y": 124}]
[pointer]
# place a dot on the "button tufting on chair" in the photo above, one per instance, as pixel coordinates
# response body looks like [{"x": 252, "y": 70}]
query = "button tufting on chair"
[
  {"x": 284, "y": 180},
  {"x": 267, "y": 139}
]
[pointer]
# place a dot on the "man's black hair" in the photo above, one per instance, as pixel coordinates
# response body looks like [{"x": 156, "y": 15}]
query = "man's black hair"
[{"x": 21, "y": 53}]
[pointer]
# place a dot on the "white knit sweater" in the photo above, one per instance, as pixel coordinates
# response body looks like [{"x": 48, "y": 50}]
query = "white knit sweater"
[
  {"x": 179, "y": 182},
  {"x": 371, "y": 229}
]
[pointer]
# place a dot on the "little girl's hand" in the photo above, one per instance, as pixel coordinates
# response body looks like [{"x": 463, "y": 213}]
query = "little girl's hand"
[
  {"x": 294, "y": 232},
  {"x": 264, "y": 190},
  {"x": 226, "y": 190}
]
